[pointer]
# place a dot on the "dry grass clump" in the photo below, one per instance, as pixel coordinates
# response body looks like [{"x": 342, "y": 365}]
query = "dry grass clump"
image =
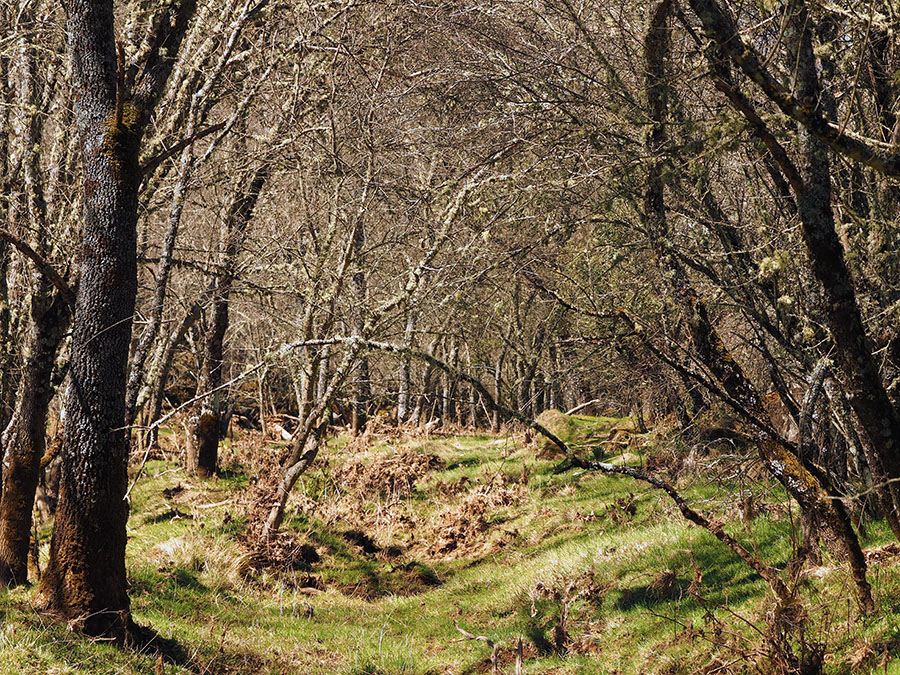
[
  {"x": 392, "y": 474},
  {"x": 461, "y": 529},
  {"x": 218, "y": 563}
]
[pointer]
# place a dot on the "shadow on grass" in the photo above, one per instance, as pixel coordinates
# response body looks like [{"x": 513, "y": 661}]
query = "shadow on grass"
[
  {"x": 147, "y": 642},
  {"x": 172, "y": 514},
  {"x": 726, "y": 578}
]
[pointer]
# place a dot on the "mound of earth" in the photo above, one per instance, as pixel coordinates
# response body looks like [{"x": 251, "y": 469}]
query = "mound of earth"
[{"x": 560, "y": 425}]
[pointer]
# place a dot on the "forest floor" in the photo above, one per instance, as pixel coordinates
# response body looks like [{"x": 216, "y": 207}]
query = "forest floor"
[{"x": 397, "y": 542}]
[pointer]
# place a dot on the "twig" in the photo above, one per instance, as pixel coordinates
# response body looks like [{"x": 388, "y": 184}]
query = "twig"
[
  {"x": 210, "y": 506},
  {"x": 483, "y": 638}
]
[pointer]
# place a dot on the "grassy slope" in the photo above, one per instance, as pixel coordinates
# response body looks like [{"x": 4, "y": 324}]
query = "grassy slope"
[{"x": 395, "y": 614}]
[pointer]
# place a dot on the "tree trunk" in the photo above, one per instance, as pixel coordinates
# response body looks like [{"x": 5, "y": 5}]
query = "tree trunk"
[
  {"x": 523, "y": 393},
  {"x": 362, "y": 391},
  {"x": 323, "y": 373},
  {"x": 800, "y": 483},
  {"x": 554, "y": 391},
  {"x": 160, "y": 376},
  {"x": 151, "y": 329},
  {"x": 361, "y": 396},
  {"x": 498, "y": 393},
  {"x": 205, "y": 426},
  {"x": 812, "y": 189},
  {"x": 85, "y": 581},
  {"x": 24, "y": 440},
  {"x": 422, "y": 400},
  {"x": 6, "y": 342},
  {"x": 448, "y": 404},
  {"x": 853, "y": 352},
  {"x": 403, "y": 395},
  {"x": 540, "y": 394}
]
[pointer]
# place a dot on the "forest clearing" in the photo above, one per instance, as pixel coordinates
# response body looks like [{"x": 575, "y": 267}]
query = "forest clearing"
[
  {"x": 398, "y": 538},
  {"x": 449, "y": 336}
]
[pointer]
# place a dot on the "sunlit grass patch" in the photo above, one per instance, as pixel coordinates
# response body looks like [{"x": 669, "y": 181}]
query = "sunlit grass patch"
[{"x": 594, "y": 573}]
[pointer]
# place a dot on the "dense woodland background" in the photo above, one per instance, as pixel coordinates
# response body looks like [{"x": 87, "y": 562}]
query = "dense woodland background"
[{"x": 314, "y": 218}]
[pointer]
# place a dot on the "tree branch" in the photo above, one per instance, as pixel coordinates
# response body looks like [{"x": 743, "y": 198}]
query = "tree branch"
[
  {"x": 43, "y": 265},
  {"x": 151, "y": 164},
  {"x": 721, "y": 29}
]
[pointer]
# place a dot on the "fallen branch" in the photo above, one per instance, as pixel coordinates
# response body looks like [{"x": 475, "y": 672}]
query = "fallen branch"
[
  {"x": 767, "y": 572},
  {"x": 582, "y": 406}
]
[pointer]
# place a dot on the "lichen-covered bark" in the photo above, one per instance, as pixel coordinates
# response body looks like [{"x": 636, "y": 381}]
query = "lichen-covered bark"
[
  {"x": 85, "y": 577},
  {"x": 24, "y": 439},
  {"x": 783, "y": 464},
  {"x": 853, "y": 353},
  {"x": 6, "y": 345},
  {"x": 85, "y": 581},
  {"x": 812, "y": 189},
  {"x": 721, "y": 29}
]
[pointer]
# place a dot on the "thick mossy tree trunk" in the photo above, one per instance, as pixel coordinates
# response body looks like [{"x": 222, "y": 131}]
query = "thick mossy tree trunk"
[
  {"x": 85, "y": 582},
  {"x": 24, "y": 440},
  {"x": 85, "y": 578}
]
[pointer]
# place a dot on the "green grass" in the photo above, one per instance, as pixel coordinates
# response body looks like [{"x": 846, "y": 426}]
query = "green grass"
[{"x": 597, "y": 546}]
